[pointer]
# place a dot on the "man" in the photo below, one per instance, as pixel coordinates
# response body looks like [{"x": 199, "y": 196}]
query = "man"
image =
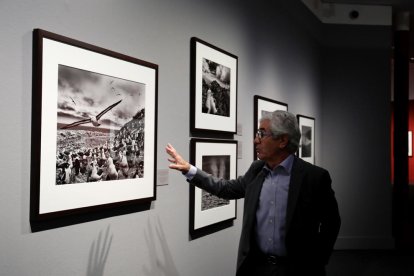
[{"x": 291, "y": 218}]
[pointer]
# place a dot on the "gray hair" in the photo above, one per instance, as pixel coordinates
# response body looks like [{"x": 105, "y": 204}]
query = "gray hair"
[{"x": 284, "y": 123}]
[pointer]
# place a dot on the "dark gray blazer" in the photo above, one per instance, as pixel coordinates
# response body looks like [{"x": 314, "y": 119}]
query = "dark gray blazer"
[{"x": 312, "y": 218}]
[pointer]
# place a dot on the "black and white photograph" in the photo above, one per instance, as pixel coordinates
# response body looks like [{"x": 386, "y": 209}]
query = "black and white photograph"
[
  {"x": 100, "y": 127},
  {"x": 306, "y": 141},
  {"x": 216, "y": 89},
  {"x": 93, "y": 130},
  {"x": 219, "y": 158},
  {"x": 213, "y": 88},
  {"x": 306, "y": 149},
  {"x": 262, "y": 107},
  {"x": 217, "y": 165}
]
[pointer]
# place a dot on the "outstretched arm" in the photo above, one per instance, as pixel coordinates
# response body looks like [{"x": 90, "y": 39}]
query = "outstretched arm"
[
  {"x": 228, "y": 189},
  {"x": 177, "y": 162}
]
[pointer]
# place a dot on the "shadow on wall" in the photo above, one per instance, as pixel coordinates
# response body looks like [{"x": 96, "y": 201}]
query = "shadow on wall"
[
  {"x": 98, "y": 254},
  {"x": 161, "y": 264}
]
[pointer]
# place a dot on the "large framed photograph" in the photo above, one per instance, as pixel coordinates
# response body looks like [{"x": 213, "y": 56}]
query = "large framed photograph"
[
  {"x": 213, "y": 88},
  {"x": 263, "y": 106},
  {"x": 94, "y": 128},
  {"x": 306, "y": 149},
  {"x": 218, "y": 158}
]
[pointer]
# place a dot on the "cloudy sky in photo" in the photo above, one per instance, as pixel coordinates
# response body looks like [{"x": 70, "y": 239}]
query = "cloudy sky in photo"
[{"x": 82, "y": 94}]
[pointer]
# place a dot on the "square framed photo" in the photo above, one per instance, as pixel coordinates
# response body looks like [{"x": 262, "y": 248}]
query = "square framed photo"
[
  {"x": 264, "y": 106},
  {"x": 218, "y": 158},
  {"x": 213, "y": 88},
  {"x": 306, "y": 149},
  {"x": 94, "y": 128}
]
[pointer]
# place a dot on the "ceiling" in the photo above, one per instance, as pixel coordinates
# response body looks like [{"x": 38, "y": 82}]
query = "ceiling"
[{"x": 398, "y": 5}]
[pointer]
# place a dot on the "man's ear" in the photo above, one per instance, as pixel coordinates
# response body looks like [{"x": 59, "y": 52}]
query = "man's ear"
[{"x": 284, "y": 141}]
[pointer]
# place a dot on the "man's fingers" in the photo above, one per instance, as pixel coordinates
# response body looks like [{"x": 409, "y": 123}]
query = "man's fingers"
[
  {"x": 177, "y": 162},
  {"x": 170, "y": 148},
  {"x": 175, "y": 167},
  {"x": 172, "y": 154}
]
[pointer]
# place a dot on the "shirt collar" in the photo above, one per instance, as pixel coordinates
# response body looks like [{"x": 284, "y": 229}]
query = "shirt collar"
[{"x": 286, "y": 164}]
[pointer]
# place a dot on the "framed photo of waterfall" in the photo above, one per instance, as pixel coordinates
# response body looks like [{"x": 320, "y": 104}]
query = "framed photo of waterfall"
[
  {"x": 209, "y": 213},
  {"x": 213, "y": 94},
  {"x": 94, "y": 128}
]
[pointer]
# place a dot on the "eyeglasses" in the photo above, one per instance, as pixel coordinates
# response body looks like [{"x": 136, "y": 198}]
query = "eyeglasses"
[{"x": 261, "y": 133}]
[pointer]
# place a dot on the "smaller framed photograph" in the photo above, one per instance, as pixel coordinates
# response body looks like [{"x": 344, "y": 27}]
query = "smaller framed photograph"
[
  {"x": 263, "y": 106},
  {"x": 218, "y": 158},
  {"x": 306, "y": 149},
  {"x": 213, "y": 88}
]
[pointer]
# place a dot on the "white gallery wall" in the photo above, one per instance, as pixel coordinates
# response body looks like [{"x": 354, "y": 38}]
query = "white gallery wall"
[{"x": 281, "y": 56}]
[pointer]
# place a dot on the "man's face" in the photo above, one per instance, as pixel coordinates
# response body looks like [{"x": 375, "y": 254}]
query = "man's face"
[{"x": 268, "y": 148}]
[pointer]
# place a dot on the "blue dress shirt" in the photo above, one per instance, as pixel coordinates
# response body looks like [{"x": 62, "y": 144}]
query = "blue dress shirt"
[{"x": 271, "y": 211}]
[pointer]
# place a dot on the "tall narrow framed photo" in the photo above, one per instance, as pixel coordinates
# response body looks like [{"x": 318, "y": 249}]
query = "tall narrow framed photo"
[
  {"x": 213, "y": 88},
  {"x": 306, "y": 149},
  {"x": 219, "y": 158},
  {"x": 263, "y": 106},
  {"x": 94, "y": 128}
]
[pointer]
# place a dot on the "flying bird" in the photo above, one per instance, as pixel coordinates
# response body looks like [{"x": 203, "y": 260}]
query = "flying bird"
[
  {"x": 92, "y": 119},
  {"x": 114, "y": 90},
  {"x": 72, "y": 100}
]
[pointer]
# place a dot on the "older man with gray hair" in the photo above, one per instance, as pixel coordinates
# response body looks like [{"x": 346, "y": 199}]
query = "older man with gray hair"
[{"x": 291, "y": 218}]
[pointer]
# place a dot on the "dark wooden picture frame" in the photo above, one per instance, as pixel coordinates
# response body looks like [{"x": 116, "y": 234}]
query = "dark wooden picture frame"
[
  {"x": 263, "y": 104},
  {"x": 213, "y": 95},
  {"x": 208, "y": 213},
  {"x": 94, "y": 129}
]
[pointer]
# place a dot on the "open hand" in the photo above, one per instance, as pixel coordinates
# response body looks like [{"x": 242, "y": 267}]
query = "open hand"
[{"x": 177, "y": 162}]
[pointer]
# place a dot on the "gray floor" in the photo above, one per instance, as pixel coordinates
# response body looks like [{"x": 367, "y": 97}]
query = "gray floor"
[{"x": 370, "y": 263}]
